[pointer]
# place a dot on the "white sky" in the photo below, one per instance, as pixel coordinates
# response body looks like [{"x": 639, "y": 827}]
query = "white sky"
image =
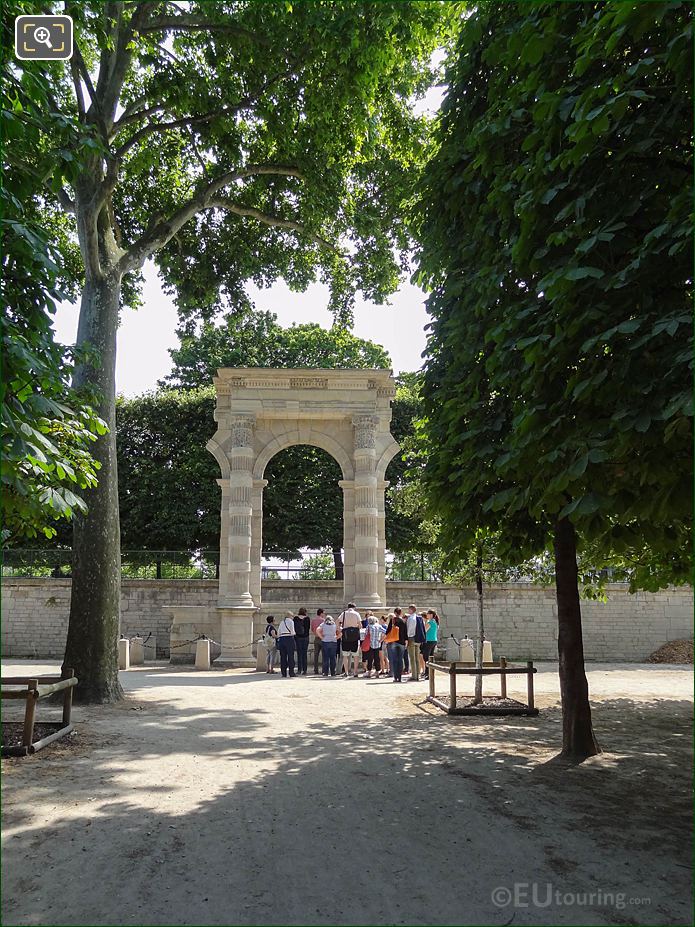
[{"x": 145, "y": 336}]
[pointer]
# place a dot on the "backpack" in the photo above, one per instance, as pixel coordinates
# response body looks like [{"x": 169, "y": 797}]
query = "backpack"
[
  {"x": 269, "y": 640},
  {"x": 420, "y": 635}
]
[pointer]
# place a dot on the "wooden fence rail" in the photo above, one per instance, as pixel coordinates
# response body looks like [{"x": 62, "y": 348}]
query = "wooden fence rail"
[
  {"x": 38, "y": 687},
  {"x": 453, "y": 670}
]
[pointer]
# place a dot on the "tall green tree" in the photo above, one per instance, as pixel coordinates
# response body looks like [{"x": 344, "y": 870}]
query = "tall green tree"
[
  {"x": 47, "y": 428},
  {"x": 555, "y": 227},
  {"x": 231, "y": 141},
  {"x": 255, "y": 339}
]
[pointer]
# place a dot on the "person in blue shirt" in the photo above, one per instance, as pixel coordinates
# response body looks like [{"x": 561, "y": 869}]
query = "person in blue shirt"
[{"x": 431, "y": 637}]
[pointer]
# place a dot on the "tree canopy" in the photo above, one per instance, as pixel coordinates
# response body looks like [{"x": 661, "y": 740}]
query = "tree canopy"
[
  {"x": 255, "y": 339},
  {"x": 555, "y": 228},
  {"x": 47, "y": 428}
]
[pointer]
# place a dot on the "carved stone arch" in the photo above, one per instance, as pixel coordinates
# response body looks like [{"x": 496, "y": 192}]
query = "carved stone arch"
[
  {"x": 292, "y": 439},
  {"x": 220, "y": 456},
  {"x": 262, "y": 411},
  {"x": 385, "y": 459}
]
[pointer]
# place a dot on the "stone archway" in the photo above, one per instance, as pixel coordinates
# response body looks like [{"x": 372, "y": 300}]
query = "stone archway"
[{"x": 261, "y": 411}]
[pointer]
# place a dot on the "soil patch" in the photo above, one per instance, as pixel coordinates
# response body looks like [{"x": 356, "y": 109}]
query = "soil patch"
[
  {"x": 673, "y": 652},
  {"x": 12, "y": 732}
]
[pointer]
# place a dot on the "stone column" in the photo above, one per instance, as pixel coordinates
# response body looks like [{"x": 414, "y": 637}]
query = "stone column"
[
  {"x": 240, "y": 511},
  {"x": 381, "y": 488},
  {"x": 348, "y": 487},
  {"x": 223, "y": 587},
  {"x": 366, "y": 513},
  {"x": 256, "y": 538}
]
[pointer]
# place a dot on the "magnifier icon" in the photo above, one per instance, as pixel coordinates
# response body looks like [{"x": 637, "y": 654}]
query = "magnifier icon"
[{"x": 43, "y": 36}]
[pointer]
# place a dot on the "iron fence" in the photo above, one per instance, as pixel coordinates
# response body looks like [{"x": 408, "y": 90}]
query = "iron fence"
[
  {"x": 135, "y": 564},
  {"x": 205, "y": 564},
  {"x": 178, "y": 564}
]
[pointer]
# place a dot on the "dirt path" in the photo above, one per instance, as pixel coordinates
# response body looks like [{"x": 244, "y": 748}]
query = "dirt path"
[{"x": 236, "y": 798}]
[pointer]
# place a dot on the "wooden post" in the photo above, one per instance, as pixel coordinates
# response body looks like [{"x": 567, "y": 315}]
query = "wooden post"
[
  {"x": 432, "y": 674},
  {"x": 452, "y": 687},
  {"x": 67, "y": 697},
  {"x": 30, "y": 712},
  {"x": 529, "y": 680},
  {"x": 503, "y": 677}
]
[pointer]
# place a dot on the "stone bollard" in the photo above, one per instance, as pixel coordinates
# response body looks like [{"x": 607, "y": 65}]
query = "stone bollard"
[
  {"x": 261, "y": 656},
  {"x": 124, "y": 654},
  {"x": 202, "y": 654},
  {"x": 137, "y": 651}
]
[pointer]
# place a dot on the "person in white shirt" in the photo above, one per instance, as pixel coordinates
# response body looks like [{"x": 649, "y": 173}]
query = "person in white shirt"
[
  {"x": 327, "y": 633},
  {"x": 285, "y": 640},
  {"x": 413, "y": 645},
  {"x": 350, "y": 623}
]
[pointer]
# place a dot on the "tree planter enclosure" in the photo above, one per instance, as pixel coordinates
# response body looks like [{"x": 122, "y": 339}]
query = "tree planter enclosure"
[
  {"x": 37, "y": 688},
  {"x": 503, "y": 706}
]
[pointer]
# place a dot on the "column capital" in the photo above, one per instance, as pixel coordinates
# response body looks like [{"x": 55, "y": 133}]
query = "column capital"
[
  {"x": 365, "y": 430},
  {"x": 241, "y": 428}
]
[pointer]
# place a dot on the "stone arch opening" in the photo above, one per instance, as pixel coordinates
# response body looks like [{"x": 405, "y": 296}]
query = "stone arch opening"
[{"x": 303, "y": 504}]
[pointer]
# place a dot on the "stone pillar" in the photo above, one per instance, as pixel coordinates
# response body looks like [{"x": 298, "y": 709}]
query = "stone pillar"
[
  {"x": 237, "y": 592},
  {"x": 256, "y": 539},
  {"x": 381, "y": 488},
  {"x": 348, "y": 487},
  {"x": 223, "y": 587},
  {"x": 236, "y": 636},
  {"x": 366, "y": 513}
]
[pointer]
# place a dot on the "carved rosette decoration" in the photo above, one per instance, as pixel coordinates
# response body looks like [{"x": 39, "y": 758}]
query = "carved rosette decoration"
[
  {"x": 365, "y": 430},
  {"x": 241, "y": 429}
]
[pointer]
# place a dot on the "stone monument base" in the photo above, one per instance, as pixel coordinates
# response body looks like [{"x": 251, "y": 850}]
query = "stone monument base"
[{"x": 232, "y": 628}]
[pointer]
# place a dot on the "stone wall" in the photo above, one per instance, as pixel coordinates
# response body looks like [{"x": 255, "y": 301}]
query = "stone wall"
[{"x": 521, "y": 619}]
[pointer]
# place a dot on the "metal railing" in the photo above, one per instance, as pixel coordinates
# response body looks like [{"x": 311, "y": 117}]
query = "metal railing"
[
  {"x": 135, "y": 564},
  {"x": 205, "y": 564},
  {"x": 177, "y": 564}
]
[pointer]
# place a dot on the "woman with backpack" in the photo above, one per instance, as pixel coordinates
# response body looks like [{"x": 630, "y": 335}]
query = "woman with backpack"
[
  {"x": 270, "y": 636},
  {"x": 396, "y": 639}
]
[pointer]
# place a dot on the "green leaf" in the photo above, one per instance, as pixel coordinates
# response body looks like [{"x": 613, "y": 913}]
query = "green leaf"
[{"x": 579, "y": 273}]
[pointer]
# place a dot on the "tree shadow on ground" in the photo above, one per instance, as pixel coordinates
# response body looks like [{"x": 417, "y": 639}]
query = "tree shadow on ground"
[{"x": 404, "y": 817}]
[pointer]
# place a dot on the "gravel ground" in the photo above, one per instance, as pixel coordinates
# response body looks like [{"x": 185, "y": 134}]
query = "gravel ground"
[{"x": 224, "y": 798}]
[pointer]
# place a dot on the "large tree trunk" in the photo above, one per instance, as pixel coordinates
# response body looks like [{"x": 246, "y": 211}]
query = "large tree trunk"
[
  {"x": 578, "y": 741},
  {"x": 478, "y": 692},
  {"x": 93, "y": 630},
  {"x": 338, "y": 563}
]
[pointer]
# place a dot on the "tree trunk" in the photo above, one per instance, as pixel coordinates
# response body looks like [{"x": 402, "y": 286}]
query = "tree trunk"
[
  {"x": 478, "y": 692},
  {"x": 96, "y": 568},
  {"x": 338, "y": 563},
  {"x": 578, "y": 741}
]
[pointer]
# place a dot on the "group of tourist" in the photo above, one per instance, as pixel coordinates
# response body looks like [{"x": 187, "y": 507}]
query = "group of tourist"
[{"x": 387, "y": 645}]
